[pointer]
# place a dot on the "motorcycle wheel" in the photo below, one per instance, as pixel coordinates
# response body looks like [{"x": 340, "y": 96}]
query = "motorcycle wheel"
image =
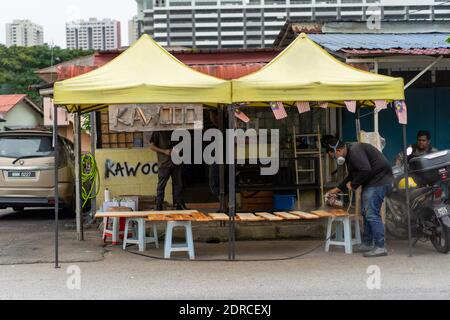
[{"x": 441, "y": 238}]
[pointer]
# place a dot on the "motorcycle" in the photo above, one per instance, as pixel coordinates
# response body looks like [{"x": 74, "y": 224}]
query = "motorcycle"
[{"x": 429, "y": 187}]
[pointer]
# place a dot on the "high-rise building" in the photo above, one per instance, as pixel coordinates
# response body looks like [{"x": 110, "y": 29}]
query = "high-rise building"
[
  {"x": 133, "y": 30},
  {"x": 24, "y": 33},
  {"x": 256, "y": 23},
  {"x": 93, "y": 34}
]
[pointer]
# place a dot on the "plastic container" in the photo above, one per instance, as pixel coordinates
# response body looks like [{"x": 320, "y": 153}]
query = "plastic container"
[
  {"x": 284, "y": 202},
  {"x": 429, "y": 168}
]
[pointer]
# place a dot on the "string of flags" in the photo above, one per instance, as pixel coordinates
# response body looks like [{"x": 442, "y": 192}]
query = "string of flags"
[
  {"x": 278, "y": 110},
  {"x": 241, "y": 116},
  {"x": 305, "y": 106}
]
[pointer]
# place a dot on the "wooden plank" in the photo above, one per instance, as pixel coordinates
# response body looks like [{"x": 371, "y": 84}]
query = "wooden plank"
[
  {"x": 330, "y": 213},
  {"x": 219, "y": 216},
  {"x": 287, "y": 216},
  {"x": 201, "y": 217},
  {"x": 304, "y": 215},
  {"x": 129, "y": 214},
  {"x": 172, "y": 212},
  {"x": 268, "y": 216},
  {"x": 249, "y": 217}
]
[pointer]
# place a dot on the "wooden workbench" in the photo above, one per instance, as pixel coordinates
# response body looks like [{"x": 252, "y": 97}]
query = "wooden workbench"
[{"x": 197, "y": 216}]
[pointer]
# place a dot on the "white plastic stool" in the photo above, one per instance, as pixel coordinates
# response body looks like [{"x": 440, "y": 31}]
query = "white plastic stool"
[
  {"x": 112, "y": 229},
  {"x": 169, "y": 247},
  {"x": 139, "y": 237},
  {"x": 344, "y": 236}
]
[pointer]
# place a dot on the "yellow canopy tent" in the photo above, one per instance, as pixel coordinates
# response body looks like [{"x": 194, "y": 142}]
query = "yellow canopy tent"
[
  {"x": 306, "y": 72},
  {"x": 144, "y": 73}
]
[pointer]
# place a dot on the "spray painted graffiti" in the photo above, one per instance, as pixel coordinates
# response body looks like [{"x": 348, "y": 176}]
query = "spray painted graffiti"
[{"x": 124, "y": 169}]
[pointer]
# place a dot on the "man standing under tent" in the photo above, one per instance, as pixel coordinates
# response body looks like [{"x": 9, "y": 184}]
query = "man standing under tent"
[
  {"x": 367, "y": 167},
  {"x": 161, "y": 143}
]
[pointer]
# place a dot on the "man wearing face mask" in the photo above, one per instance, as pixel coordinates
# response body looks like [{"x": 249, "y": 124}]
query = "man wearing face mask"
[{"x": 367, "y": 167}]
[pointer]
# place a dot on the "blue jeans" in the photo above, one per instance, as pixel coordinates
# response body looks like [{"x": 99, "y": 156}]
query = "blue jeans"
[{"x": 372, "y": 199}]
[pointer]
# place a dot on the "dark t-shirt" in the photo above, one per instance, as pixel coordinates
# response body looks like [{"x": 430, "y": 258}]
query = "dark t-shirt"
[
  {"x": 162, "y": 140},
  {"x": 366, "y": 167}
]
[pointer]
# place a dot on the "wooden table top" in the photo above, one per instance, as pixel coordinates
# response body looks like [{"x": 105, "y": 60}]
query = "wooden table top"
[{"x": 197, "y": 216}]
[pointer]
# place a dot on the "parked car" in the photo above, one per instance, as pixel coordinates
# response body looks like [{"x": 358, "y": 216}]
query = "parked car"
[{"x": 27, "y": 170}]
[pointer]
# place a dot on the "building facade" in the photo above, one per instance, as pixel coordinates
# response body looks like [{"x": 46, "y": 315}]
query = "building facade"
[
  {"x": 93, "y": 34},
  {"x": 24, "y": 33},
  {"x": 256, "y": 23},
  {"x": 133, "y": 30}
]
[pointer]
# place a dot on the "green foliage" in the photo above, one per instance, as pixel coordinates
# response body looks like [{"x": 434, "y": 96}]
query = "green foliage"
[{"x": 18, "y": 64}]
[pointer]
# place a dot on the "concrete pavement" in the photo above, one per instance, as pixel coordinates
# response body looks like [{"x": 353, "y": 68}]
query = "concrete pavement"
[{"x": 114, "y": 274}]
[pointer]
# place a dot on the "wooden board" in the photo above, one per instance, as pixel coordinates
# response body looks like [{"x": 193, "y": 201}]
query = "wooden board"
[
  {"x": 304, "y": 215},
  {"x": 268, "y": 216},
  {"x": 201, "y": 217},
  {"x": 142, "y": 214},
  {"x": 330, "y": 213},
  {"x": 129, "y": 214},
  {"x": 249, "y": 217},
  {"x": 287, "y": 216},
  {"x": 219, "y": 216}
]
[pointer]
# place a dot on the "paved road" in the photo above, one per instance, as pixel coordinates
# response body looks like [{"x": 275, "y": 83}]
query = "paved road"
[{"x": 318, "y": 275}]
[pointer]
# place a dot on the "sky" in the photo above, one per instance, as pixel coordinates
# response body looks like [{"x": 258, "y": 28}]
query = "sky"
[{"x": 53, "y": 14}]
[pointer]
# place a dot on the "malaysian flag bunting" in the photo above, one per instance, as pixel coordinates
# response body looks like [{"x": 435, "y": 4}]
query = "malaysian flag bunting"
[
  {"x": 303, "y": 106},
  {"x": 278, "y": 110},
  {"x": 380, "y": 105},
  {"x": 323, "y": 104},
  {"x": 241, "y": 116},
  {"x": 351, "y": 105},
  {"x": 401, "y": 111}
]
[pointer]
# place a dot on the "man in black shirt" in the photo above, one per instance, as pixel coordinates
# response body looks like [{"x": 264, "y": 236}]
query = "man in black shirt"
[
  {"x": 367, "y": 167},
  {"x": 161, "y": 143}
]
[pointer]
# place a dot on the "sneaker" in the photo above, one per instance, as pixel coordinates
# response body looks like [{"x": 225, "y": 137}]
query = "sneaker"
[
  {"x": 364, "y": 248},
  {"x": 376, "y": 252}
]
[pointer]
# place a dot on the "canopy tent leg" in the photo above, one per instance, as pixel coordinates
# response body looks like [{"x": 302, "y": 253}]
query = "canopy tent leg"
[
  {"x": 77, "y": 144},
  {"x": 56, "y": 182},
  {"x": 222, "y": 166},
  {"x": 93, "y": 124},
  {"x": 231, "y": 187},
  {"x": 405, "y": 166}
]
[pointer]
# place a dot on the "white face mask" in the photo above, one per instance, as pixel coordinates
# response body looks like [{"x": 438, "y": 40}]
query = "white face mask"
[{"x": 340, "y": 161}]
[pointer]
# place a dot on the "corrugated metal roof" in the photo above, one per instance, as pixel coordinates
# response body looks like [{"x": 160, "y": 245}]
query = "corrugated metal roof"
[{"x": 339, "y": 42}]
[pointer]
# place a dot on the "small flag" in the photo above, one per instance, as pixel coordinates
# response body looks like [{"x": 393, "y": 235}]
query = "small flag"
[
  {"x": 278, "y": 110},
  {"x": 380, "y": 105},
  {"x": 241, "y": 116},
  {"x": 401, "y": 111},
  {"x": 351, "y": 105},
  {"x": 303, "y": 106},
  {"x": 323, "y": 104}
]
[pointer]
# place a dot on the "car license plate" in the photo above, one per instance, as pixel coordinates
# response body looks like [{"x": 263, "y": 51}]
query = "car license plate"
[{"x": 21, "y": 174}]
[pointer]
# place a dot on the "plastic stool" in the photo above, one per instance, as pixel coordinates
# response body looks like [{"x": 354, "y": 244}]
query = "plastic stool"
[
  {"x": 139, "y": 237},
  {"x": 187, "y": 246},
  {"x": 343, "y": 235},
  {"x": 113, "y": 228}
]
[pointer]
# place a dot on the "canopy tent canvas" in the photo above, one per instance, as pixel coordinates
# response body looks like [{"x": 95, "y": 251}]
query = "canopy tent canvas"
[
  {"x": 306, "y": 72},
  {"x": 144, "y": 73}
]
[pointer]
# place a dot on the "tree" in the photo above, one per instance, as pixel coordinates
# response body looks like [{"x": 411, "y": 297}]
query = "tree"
[{"x": 18, "y": 64}]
